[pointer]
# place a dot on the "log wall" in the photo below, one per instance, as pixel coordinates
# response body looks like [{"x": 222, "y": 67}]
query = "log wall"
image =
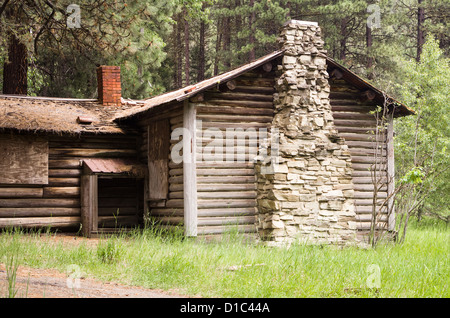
[
  {"x": 57, "y": 204},
  {"x": 357, "y": 126},
  {"x": 226, "y": 181}
]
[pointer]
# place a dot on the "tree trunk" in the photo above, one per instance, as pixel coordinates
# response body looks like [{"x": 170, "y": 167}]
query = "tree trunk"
[
  {"x": 343, "y": 42},
  {"x": 201, "y": 52},
  {"x": 179, "y": 58},
  {"x": 369, "y": 52},
  {"x": 16, "y": 68},
  {"x": 218, "y": 44},
  {"x": 186, "y": 48},
  {"x": 420, "y": 33},
  {"x": 251, "y": 40}
]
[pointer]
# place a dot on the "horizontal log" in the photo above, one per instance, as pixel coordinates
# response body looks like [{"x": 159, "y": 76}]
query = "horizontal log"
[
  {"x": 224, "y": 179},
  {"x": 70, "y": 221},
  {"x": 64, "y": 181},
  {"x": 64, "y": 173},
  {"x": 367, "y": 225},
  {"x": 354, "y": 129},
  {"x": 363, "y": 137},
  {"x": 369, "y": 195},
  {"x": 216, "y": 172},
  {"x": 216, "y": 187},
  {"x": 224, "y": 102},
  {"x": 217, "y": 221},
  {"x": 368, "y": 209},
  {"x": 344, "y": 105},
  {"x": 21, "y": 192},
  {"x": 368, "y": 180},
  {"x": 240, "y": 96},
  {"x": 236, "y": 125},
  {"x": 234, "y": 118},
  {"x": 353, "y": 115},
  {"x": 106, "y": 144},
  {"x": 204, "y": 230},
  {"x": 44, "y": 202},
  {"x": 217, "y": 195},
  {"x": 93, "y": 153},
  {"x": 365, "y": 144},
  {"x": 234, "y": 110},
  {"x": 368, "y": 187},
  {"x": 38, "y": 212},
  {"x": 255, "y": 89},
  {"x": 64, "y": 163},
  {"x": 368, "y": 202},
  {"x": 52, "y": 192},
  {"x": 356, "y": 123},
  {"x": 366, "y": 173},
  {"x": 368, "y": 159}
]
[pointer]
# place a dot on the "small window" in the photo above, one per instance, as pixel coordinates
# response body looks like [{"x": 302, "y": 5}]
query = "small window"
[{"x": 23, "y": 159}]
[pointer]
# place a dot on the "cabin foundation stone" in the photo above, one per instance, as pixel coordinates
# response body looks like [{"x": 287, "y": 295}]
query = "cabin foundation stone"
[{"x": 308, "y": 196}]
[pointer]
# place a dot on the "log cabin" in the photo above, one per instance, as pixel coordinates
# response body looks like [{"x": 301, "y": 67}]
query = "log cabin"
[{"x": 280, "y": 149}]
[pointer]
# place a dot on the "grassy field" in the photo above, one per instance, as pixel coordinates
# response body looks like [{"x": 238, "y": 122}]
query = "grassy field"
[{"x": 417, "y": 268}]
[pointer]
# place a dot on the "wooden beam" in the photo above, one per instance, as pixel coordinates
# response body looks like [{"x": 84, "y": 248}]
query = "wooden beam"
[
  {"x": 89, "y": 204},
  {"x": 390, "y": 172},
  {"x": 189, "y": 170}
]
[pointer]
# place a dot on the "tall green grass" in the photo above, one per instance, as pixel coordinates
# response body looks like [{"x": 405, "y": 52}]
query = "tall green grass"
[{"x": 233, "y": 268}]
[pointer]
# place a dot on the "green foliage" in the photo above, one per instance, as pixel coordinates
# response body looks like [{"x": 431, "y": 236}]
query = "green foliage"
[{"x": 422, "y": 142}]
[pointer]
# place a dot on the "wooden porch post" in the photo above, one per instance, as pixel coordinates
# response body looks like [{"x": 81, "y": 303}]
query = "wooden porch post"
[
  {"x": 89, "y": 204},
  {"x": 390, "y": 172},
  {"x": 189, "y": 169}
]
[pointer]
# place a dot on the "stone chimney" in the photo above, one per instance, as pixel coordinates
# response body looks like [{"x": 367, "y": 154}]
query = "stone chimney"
[
  {"x": 109, "y": 87},
  {"x": 309, "y": 195}
]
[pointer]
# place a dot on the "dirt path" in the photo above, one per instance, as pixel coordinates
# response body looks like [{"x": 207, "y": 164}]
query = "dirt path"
[{"x": 50, "y": 283}]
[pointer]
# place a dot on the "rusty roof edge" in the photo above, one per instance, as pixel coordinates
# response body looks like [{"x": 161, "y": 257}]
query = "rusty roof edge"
[{"x": 191, "y": 90}]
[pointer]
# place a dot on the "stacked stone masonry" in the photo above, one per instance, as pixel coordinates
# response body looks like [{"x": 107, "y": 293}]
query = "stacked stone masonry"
[{"x": 309, "y": 195}]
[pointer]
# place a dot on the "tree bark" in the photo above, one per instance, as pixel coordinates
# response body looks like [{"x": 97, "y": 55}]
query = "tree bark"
[
  {"x": 343, "y": 42},
  {"x": 179, "y": 58},
  {"x": 16, "y": 68},
  {"x": 251, "y": 40},
  {"x": 369, "y": 52},
  {"x": 201, "y": 52},
  {"x": 187, "y": 64},
  {"x": 420, "y": 33}
]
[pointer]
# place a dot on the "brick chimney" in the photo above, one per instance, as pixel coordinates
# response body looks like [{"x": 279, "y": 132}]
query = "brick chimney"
[{"x": 109, "y": 87}]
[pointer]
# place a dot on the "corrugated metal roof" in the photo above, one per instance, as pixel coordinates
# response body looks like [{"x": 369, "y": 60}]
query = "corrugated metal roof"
[{"x": 115, "y": 166}]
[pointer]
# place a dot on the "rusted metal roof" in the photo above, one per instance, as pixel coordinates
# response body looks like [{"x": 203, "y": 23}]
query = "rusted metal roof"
[
  {"x": 188, "y": 91},
  {"x": 115, "y": 166}
]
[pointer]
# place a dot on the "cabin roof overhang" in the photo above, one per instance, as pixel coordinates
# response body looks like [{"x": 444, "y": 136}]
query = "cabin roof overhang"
[
  {"x": 114, "y": 167},
  {"x": 184, "y": 93}
]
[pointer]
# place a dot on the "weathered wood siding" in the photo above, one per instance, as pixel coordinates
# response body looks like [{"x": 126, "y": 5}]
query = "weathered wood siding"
[
  {"x": 165, "y": 175},
  {"x": 226, "y": 181},
  {"x": 57, "y": 203},
  {"x": 357, "y": 125}
]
